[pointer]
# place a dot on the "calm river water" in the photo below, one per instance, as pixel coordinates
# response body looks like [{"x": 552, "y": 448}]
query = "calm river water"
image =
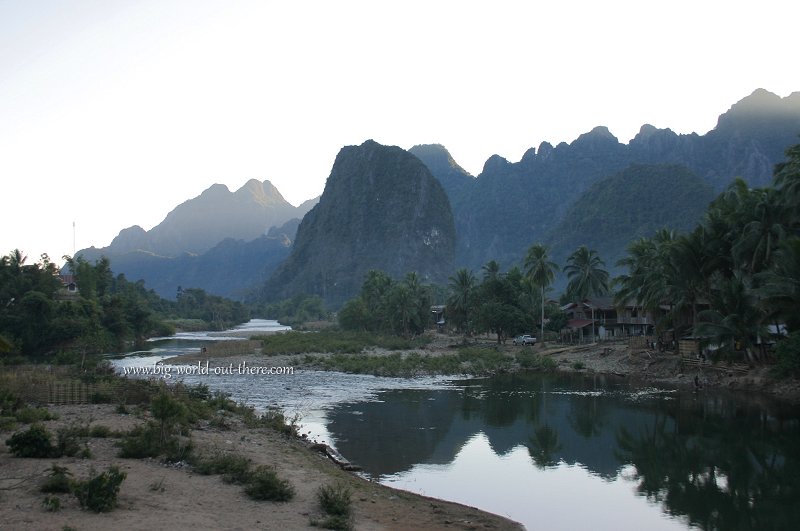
[{"x": 551, "y": 451}]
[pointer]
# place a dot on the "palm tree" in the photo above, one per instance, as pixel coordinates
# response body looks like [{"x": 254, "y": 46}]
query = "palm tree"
[
  {"x": 780, "y": 285},
  {"x": 403, "y": 308},
  {"x": 586, "y": 276},
  {"x": 734, "y": 317},
  {"x": 764, "y": 228},
  {"x": 462, "y": 288},
  {"x": 541, "y": 271},
  {"x": 787, "y": 177},
  {"x": 491, "y": 270}
]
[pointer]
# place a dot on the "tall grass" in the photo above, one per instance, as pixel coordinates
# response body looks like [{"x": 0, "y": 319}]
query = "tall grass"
[
  {"x": 467, "y": 360},
  {"x": 335, "y": 341}
]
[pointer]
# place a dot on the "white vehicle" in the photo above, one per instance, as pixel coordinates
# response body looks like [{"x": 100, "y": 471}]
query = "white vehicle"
[{"x": 525, "y": 339}]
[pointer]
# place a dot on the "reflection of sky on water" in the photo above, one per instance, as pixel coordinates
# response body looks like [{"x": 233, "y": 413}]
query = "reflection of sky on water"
[
  {"x": 564, "y": 497},
  {"x": 553, "y": 452}
]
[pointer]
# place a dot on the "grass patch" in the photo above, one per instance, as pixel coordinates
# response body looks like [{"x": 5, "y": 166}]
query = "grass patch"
[
  {"x": 335, "y": 341},
  {"x": 468, "y": 360},
  {"x": 527, "y": 359},
  {"x": 187, "y": 325},
  {"x": 101, "y": 432},
  {"x": 29, "y": 415},
  {"x": 233, "y": 468}
]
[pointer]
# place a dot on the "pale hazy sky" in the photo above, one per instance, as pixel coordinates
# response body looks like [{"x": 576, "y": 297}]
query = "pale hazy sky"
[{"x": 114, "y": 112}]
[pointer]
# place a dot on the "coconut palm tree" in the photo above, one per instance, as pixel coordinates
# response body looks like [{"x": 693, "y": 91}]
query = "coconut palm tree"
[
  {"x": 462, "y": 292},
  {"x": 780, "y": 285},
  {"x": 586, "y": 276},
  {"x": 491, "y": 270},
  {"x": 735, "y": 318},
  {"x": 787, "y": 177},
  {"x": 540, "y": 270}
]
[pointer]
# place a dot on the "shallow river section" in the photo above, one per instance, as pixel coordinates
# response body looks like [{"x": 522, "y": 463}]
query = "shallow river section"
[{"x": 550, "y": 451}]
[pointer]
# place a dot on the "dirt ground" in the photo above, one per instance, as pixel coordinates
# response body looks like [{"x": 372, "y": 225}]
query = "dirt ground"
[{"x": 155, "y": 496}]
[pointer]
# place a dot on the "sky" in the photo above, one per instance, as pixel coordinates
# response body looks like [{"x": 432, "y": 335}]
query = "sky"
[{"x": 114, "y": 112}]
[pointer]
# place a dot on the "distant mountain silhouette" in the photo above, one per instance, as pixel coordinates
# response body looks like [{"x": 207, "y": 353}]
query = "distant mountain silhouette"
[
  {"x": 381, "y": 209},
  {"x": 198, "y": 224},
  {"x": 510, "y": 206},
  {"x": 224, "y": 242},
  {"x": 381, "y": 206}
]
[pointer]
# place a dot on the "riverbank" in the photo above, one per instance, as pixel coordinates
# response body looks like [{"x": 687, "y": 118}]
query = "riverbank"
[
  {"x": 160, "y": 496},
  {"x": 640, "y": 366}
]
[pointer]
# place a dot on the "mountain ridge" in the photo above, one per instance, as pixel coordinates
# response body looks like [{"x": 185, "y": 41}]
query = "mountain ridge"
[{"x": 498, "y": 214}]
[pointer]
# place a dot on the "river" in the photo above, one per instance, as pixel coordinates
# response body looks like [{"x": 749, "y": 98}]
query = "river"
[{"x": 550, "y": 451}]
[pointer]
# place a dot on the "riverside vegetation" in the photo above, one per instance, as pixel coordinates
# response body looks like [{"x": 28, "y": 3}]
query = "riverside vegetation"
[{"x": 173, "y": 412}]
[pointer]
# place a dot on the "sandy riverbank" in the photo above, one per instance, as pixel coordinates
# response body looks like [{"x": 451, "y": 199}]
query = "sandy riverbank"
[{"x": 155, "y": 496}]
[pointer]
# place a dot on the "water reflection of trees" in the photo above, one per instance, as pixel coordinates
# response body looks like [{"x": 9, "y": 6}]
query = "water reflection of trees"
[
  {"x": 733, "y": 471},
  {"x": 722, "y": 463},
  {"x": 543, "y": 446},
  {"x": 587, "y": 416}
]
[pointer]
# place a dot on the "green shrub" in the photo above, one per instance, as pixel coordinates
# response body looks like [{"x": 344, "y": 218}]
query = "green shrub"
[
  {"x": 51, "y": 504},
  {"x": 140, "y": 442},
  {"x": 578, "y": 365},
  {"x": 7, "y": 423},
  {"x": 99, "y": 493},
  {"x": 339, "y": 523},
  {"x": 537, "y": 362},
  {"x": 68, "y": 441},
  {"x": 58, "y": 481},
  {"x": 335, "y": 500},
  {"x": 168, "y": 411},
  {"x": 234, "y": 468},
  {"x": 146, "y": 441},
  {"x": 220, "y": 401},
  {"x": 264, "y": 484},
  {"x": 28, "y": 415},
  {"x": 99, "y": 431},
  {"x": 34, "y": 442},
  {"x": 9, "y": 402}
]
